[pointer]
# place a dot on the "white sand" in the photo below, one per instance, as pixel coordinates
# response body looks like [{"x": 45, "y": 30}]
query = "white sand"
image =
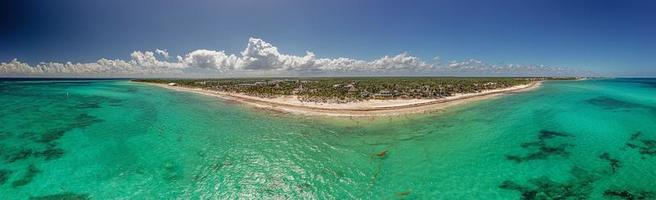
[{"x": 291, "y": 104}]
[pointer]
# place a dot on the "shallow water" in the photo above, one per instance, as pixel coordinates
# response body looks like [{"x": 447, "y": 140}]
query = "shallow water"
[{"x": 103, "y": 139}]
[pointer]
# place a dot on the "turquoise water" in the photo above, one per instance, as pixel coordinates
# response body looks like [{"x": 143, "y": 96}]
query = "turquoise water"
[{"x": 121, "y": 140}]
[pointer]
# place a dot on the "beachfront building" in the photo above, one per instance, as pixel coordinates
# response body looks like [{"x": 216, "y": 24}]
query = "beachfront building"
[
  {"x": 364, "y": 94},
  {"x": 298, "y": 90},
  {"x": 383, "y": 94},
  {"x": 352, "y": 89}
]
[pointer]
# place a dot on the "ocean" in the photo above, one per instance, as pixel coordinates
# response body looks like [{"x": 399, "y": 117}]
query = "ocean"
[{"x": 115, "y": 139}]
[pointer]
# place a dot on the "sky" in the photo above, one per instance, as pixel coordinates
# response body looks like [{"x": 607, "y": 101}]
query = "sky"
[{"x": 338, "y": 37}]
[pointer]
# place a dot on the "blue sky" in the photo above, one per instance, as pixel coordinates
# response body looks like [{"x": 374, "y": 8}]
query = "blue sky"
[{"x": 610, "y": 37}]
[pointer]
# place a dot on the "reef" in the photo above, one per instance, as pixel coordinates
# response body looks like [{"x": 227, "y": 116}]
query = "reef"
[
  {"x": 62, "y": 196},
  {"x": 614, "y": 163},
  {"x": 4, "y": 135},
  {"x": 542, "y": 148},
  {"x": 29, "y": 135},
  {"x": 132, "y": 90},
  {"x": 18, "y": 155},
  {"x": 94, "y": 102},
  {"x": 609, "y": 103},
  {"x": 579, "y": 187},
  {"x": 46, "y": 143},
  {"x": 84, "y": 120},
  {"x": 88, "y": 105},
  {"x": 51, "y": 153},
  {"x": 4, "y": 175},
  {"x": 546, "y": 134},
  {"x": 51, "y": 135},
  {"x": 647, "y": 82},
  {"x": 30, "y": 173},
  {"x": 646, "y": 147},
  {"x": 629, "y": 195},
  {"x": 114, "y": 102}
]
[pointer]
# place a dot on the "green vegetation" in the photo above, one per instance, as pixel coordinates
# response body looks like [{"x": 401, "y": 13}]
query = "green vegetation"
[{"x": 342, "y": 90}]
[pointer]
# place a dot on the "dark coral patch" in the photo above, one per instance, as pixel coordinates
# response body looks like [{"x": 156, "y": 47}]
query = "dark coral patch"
[
  {"x": 525, "y": 191},
  {"x": 4, "y": 135},
  {"x": 29, "y": 135},
  {"x": 646, "y": 147},
  {"x": 646, "y": 82},
  {"x": 580, "y": 187},
  {"x": 84, "y": 120},
  {"x": 635, "y": 135},
  {"x": 18, "y": 155},
  {"x": 614, "y": 163},
  {"x": 630, "y": 195},
  {"x": 62, "y": 196},
  {"x": 4, "y": 175},
  {"x": 543, "y": 152},
  {"x": 30, "y": 173},
  {"x": 51, "y": 153},
  {"x": 88, "y": 105},
  {"x": 49, "y": 149},
  {"x": 74, "y": 82},
  {"x": 132, "y": 90},
  {"x": 114, "y": 102},
  {"x": 546, "y": 134},
  {"x": 542, "y": 149},
  {"x": 51, "y": 135},
  {"x": 612, "y": 103}
]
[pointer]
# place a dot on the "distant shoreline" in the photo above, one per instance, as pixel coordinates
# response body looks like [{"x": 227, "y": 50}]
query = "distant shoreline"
[{"x": 370, "y": 108}]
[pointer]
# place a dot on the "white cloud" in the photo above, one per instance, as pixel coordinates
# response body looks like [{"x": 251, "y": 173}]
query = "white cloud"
[
  {"x": 102, "y": 67},
  {"x": 260, "y": 57},
  {"x": 15, "y": 67},
  {"x": 164, "y": 53},
  {"x": 209, "y": 59},
  {"x": 399, "y": 63},
  {"x": 147, "y": 59}
]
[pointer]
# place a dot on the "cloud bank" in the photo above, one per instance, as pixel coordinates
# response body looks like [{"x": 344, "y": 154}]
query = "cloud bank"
[{"x": 261, "y": 58}]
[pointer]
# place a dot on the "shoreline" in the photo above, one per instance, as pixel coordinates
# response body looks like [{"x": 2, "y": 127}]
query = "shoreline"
[{"x": 370, "y": 108}]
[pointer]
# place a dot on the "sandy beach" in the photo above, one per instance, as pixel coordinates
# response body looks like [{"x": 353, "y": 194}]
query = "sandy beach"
[{"x": 291, "y": 104}]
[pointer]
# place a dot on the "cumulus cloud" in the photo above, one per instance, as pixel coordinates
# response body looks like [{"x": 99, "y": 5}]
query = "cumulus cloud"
[
  {"x": 141, "y": 64},
  {"x": 210, "y": 59},
  {"x": 147, "y": 59},
  {"x": 164, "y": 53},
  {"x": 261, "y": 57}
]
